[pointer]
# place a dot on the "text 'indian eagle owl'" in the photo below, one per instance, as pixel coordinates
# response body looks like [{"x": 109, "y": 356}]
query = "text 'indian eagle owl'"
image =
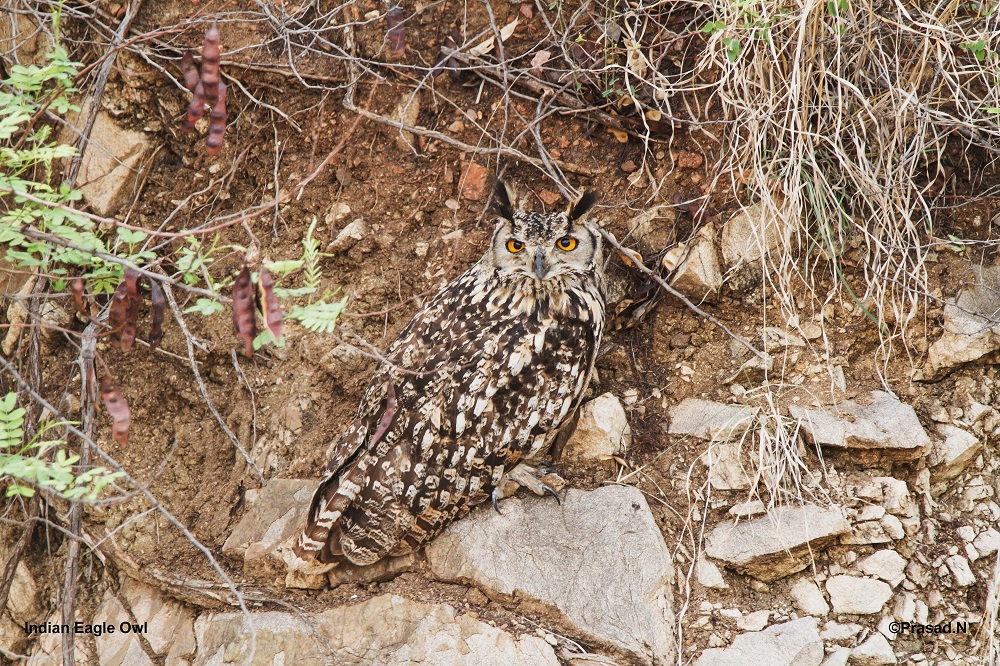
[{"x": 471, "y": 393}]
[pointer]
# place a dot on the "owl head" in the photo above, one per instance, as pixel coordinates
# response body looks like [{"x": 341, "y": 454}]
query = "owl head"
[{"x": 543, "y": 246}]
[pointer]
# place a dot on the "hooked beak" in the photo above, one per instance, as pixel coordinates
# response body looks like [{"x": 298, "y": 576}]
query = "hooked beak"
[{"x": 540, "y": 268}]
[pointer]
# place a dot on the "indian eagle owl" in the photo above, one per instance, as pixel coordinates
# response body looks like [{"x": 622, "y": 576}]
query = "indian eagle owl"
[{"x": 471, "y": 393}]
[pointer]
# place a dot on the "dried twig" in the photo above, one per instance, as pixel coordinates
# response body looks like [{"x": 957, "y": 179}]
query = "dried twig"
[
  {"x": 88, "y": 402},
  {"x": 679, "y": 296},
  {"x": 95, "y": 98},
  {"x": 179, "y": 317}
]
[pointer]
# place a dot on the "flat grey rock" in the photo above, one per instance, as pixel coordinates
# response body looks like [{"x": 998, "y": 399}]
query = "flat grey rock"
[
  {"x": 778, "y": 544},
  {"x": 953, "y": 450},
  {"x": 278, "y": 509},
  {"x": 599, "y": 559},
  {"x": 112, "y": 164},
  {"x": 857, "y": 596},
  {"x": 384, "y": 631},
  {"x": 882, "y": 423},
  {"x": 875, "y": 651},
  {"x": 698, "y": 275},
  {"x": 971, "y": 324},
  {"x": 808, "y": 598},
  {"x": 795, "y": 643},
  {"x": 886, "y": 564},
  {"x": 709, "y": 420}
]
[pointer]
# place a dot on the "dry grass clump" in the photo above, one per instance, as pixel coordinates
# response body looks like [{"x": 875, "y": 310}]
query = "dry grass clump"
[{"x": 846, "y": 121}]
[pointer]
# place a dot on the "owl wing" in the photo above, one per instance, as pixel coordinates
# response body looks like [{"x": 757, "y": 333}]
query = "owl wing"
[{"x": 422, "y": 338}]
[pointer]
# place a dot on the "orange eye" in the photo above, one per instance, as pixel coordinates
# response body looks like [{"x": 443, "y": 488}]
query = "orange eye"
[
  {"x": 514, "y": 246},
  {"x": 566, "y": 243}
]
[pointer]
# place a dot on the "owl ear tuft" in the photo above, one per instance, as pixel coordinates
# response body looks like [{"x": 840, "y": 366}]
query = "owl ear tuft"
[
  {"x": 583, "y": 203},
  {"x": 503, "y": 196}
]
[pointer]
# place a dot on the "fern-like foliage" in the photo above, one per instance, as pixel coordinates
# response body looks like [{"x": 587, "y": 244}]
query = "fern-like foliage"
[
  {"x": 311, "y": 273},
  {"x": 23, "y": 465},
  {"x": 319, "y": 317}
]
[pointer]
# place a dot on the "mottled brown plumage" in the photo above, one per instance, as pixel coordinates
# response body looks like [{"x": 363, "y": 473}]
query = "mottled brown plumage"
[{"x": 476, "y": 384}]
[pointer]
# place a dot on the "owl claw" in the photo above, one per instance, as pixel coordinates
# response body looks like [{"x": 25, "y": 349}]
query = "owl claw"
[
  {"x": 553, "y": 493},
  {"x": 530, "y": 478},
  {"x": 496, "y": 507}
]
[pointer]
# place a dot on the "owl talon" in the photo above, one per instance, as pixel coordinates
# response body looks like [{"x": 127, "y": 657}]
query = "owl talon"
[
  {"x": 553, "y": 493},
  {"x": 496, "y": 507}
]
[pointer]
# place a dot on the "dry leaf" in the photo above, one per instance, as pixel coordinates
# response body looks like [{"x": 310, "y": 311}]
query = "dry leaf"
[
  {"x": 540, "y": 59},
  {"x": 244, "y": 319},
  {"x": 508, "y": 30},
  {"x": 630, "y": 258},
  {"x": 483, "y": 48},
  {"x": 621, "y": 136}
]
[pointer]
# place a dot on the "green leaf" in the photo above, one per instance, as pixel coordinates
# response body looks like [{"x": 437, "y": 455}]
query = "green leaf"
[
  {"x": 319, "y": 317},
  {"x": 283, "y": 267},
  {"x": 265, "y": 337},
  {"x": 206, "y": 306},
  {"x": 131, "y": 237}
]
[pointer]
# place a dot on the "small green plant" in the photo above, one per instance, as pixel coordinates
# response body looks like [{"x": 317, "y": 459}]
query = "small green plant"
[
  {"x": 23, "y": 465},
  {"x": 977, "y": 48},
  {"x": 27, "y": 154}
]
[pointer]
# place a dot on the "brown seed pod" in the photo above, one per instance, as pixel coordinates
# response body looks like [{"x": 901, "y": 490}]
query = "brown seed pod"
[
  {"x": 133, "y": 300},
  {"x": 191, "y": 76},
  {"x": 397, "y": 32},
  {"x": 115, "y": 403},
  {"x": 244, "y": 319},
  {"x": 217, "y": 123},
  {"x": 210, "y": 65},
  {"x": 159, "y": 309},
  {"x": 196, "y": 109},
  {"x": 78, "y": 296},
  {"x": 269, "y": 304}
]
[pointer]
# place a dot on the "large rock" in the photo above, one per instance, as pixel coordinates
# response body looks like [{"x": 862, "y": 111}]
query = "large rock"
[
  {"x": 653, "y": 229},
  {"x": 22, "y": 600},
  {"x": 22, "y": 40},
  {"x": 601, "y": 432},
  {"x": 857, "y": 596},
  {"x": 726, "y": 468},
  {"x": 169, "y": 626},
  {"x": 886, "y": 564},
  {"x": 884, "y": 424},
  {"x": 119, "y": 648},
  {"x": 971, "y": 326},
  {"x": 698, "y": 276},
  {"x": 808, "y": 598},
  {"x": 599, "y": 559},
  {"x": 112, "y": 164},
  {"x": 777, "y": 544},
  {"x": 952, "y": 451},
  {"x": 384, "y": 631},
  {"x": 747, "y": 237},
  {"x": 795, "y": 643},
  {"x": 709, "y": 420},
  {"x": 277, "y": 510}
]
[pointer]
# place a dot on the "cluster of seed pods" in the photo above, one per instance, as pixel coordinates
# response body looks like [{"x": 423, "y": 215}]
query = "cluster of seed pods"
[{"x": 207, "y": 89}]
